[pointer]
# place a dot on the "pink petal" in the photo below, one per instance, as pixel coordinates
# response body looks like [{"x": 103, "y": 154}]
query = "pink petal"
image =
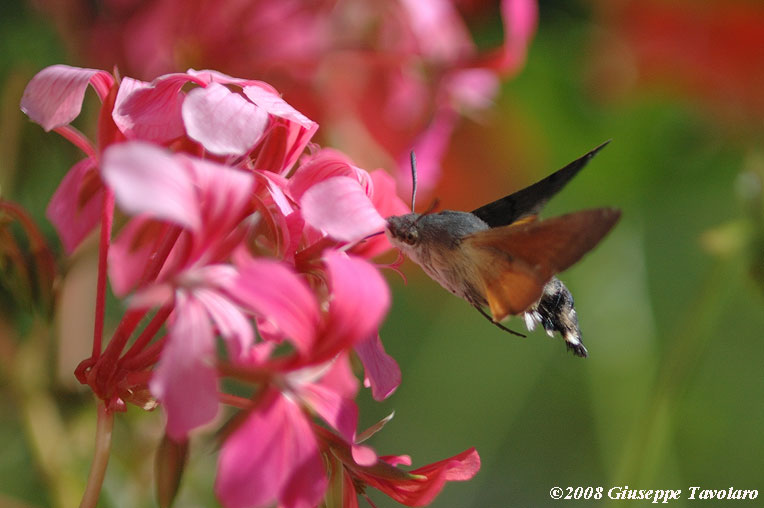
[
  {"x": 364, "y": 455},
  {"x": 54, "y": 96},
  {"x": 381, "y": 371},
  {"x": 340, "y": 378},
  {"x": 273, "y": 456},
  {"x": 520, "y": 18},
  {"x": 184, "y": 381},
  {"x": 150, "y": 111},
  {"x": 75, "y": 208},
  {"x": 277, "y": 185},
  {"x": 274, "y": 105},
  {"x": 386, "y": 201},
  {"x": 288, "y": 134},
  {"x": 231, "y": 324},
  {"x": 155, "y": 295},
  {"x": 340, "y": 207},
  {"x": 339, "y": 412},
  {"x": 222, "y": 121},
  {"x": 439, "y": 29},
  {"x": 359, "y": 301},
  {"x": 276, "y": 293},
  {"x": 134, "y": 248},
  {"x": 473, "y": 89},
  {"x": 384, "y": 195},
  {"x": 147, "y": 179},
  {"x": 213, "y": 76},
  {"x": 323, "y": 165},
  {"x": 225, "y": 193}
]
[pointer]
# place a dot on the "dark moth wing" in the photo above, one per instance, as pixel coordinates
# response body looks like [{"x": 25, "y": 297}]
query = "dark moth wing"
[
  {"x": 515, "y": 262},
  {"x": 530, "y": 200}
]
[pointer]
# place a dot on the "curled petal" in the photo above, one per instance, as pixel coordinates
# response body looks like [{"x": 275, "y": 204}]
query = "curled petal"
[
  {"x": 224, "y": 122},
  {"x": 341, "y": 208},
  {"x": 274, "y": 105},
  {"x": 75, "y": 207},
  {"x": 459, "y": 468},
  {"x": 324, "y": 165},
  {"x": 277, "y": 294},
  {"x": 272, "y": 456},
  {"x": 289, "y": 131},
  {"x": 147, "y": 179},
  {"x": 381, "y": 371},
  {"x": 54, "y": 96},
  {"x": 185, "y": 382},
  {"x": 150, "y": 111},
  {"x": 420, "y": 486}
]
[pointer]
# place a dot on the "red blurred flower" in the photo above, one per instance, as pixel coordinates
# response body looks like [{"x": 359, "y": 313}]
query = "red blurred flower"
[
  {"x": 710, "y": 51},
  {"x": 393, "y": 74}
]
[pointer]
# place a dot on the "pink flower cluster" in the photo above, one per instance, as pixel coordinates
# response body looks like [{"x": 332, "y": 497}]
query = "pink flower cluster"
[
  {"x": 233, "y": 233},
  {"x": 385, "y": 76}
]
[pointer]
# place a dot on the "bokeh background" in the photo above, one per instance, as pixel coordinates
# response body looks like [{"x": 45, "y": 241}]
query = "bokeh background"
[{"x": 671, "y": 304}]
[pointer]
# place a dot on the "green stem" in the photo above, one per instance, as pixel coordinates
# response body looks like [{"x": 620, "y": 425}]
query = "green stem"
[{"x": 100, "y": 457}]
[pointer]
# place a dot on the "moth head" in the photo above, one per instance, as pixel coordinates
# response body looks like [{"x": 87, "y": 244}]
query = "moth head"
[{"x": 403, "y": 230}]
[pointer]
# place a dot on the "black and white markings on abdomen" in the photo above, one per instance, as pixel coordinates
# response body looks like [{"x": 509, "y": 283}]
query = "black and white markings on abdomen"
[{"x": 556, "y": 313}]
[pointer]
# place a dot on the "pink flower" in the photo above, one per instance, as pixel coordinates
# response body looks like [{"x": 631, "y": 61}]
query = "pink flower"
[
  {"x": 255, "y": 122},
  {"x": 225, "y": 240},
  {"x": 206, "y": 200}
]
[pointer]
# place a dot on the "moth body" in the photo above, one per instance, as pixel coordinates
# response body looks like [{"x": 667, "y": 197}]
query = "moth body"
[
  {"x": 434, "y": 242},
  {"x": 501, "y": 256}
]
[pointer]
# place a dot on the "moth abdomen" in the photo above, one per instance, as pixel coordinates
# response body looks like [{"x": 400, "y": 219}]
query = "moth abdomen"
[{"x": 555, "y": 311}]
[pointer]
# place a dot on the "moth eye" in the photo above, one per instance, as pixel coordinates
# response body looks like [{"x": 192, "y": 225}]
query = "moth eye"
[{"x": 411, "y": 236}]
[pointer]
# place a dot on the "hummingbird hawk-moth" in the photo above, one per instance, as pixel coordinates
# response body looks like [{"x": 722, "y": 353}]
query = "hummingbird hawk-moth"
[{"x": 501, "y": 256}]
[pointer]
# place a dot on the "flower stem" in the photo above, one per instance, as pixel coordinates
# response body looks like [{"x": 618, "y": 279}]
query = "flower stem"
[
  {"x": 107, "y": 215},
  {"x": 100, "y": 457}
]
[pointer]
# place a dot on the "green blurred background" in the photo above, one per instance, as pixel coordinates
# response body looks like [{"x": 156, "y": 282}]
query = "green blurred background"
[{"x": 669, "y": 304}]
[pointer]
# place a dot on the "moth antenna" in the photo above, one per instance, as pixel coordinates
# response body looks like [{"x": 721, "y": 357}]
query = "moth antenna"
[{"x": 413, "y": 180}]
